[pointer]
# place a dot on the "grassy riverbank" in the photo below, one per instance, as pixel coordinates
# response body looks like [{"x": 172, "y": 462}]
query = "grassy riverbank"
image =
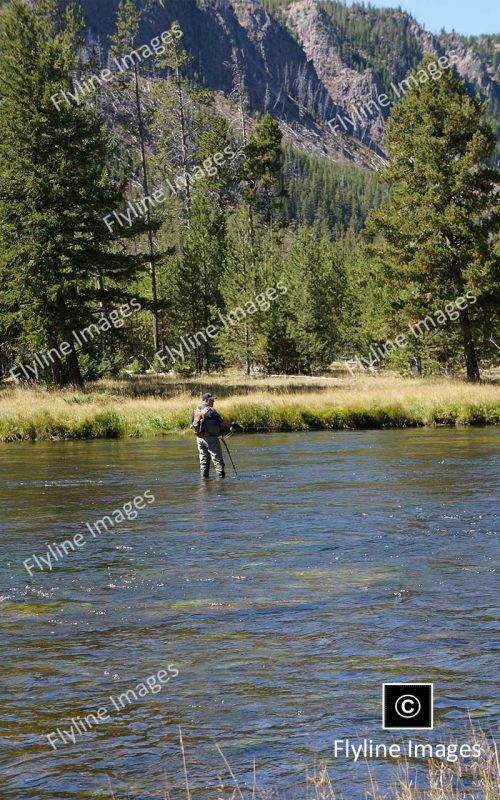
[{"x": 158, "y": 404}]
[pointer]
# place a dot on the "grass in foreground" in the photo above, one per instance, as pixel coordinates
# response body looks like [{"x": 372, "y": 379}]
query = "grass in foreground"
[
  {"x": 443, "y": 782},
  {"x": 158, "y": 404},
  {"x": 462, "y": 780}
]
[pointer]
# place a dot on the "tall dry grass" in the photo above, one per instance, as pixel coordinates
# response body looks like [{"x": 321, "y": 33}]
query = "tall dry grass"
[
  {"x": 158, "y": 404},
  {"x": 465, "y": 779}
]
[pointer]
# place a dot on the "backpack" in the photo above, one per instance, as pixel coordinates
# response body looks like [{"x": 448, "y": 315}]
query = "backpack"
[{"x": 198, "y": 424}]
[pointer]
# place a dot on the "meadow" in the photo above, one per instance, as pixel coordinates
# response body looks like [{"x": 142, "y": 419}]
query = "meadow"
[{"x": 155, "y": 405}]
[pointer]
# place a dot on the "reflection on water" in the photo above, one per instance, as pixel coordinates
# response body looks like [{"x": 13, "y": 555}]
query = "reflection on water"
[{"x": 285, "y": 598}]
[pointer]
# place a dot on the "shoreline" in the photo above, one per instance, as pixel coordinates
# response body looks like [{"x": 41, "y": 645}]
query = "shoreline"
[{"x": 158, "y": 405}]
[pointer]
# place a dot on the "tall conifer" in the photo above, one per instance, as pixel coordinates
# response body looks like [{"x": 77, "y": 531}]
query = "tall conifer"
[
  {"x": 436, "y": 228},
  {"x": 54, "y": 187}
]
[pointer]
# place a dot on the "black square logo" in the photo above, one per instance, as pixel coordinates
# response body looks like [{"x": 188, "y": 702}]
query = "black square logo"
[{"x": 407, "y": 705}]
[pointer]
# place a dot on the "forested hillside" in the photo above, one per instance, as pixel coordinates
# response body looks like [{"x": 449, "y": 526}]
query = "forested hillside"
[
  {"x": 162, "y": 158},
  {"x": 328, "y": 193}
]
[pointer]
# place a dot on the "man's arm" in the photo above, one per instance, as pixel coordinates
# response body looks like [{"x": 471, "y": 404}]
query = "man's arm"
[{"x": 227, "y": 426}]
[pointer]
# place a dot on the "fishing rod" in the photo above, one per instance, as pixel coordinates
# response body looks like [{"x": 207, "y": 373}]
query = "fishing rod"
[{"x": 230, "y": 456}]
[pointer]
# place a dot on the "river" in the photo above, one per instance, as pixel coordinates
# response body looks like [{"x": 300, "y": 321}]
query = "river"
[{"x": 285, "y": 598}]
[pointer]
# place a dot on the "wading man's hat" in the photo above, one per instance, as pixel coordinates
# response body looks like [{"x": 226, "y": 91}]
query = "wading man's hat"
[{"x": 207, "y": 396}]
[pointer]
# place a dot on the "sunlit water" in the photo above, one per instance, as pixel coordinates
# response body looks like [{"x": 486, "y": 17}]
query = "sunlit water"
[{"x": 285, "y": 599}]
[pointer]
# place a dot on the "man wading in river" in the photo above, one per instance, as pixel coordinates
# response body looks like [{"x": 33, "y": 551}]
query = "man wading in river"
[{"x": 208, "y": 425}]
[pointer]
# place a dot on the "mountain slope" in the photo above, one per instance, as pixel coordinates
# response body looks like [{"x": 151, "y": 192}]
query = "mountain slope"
[{"x": 307, "y": 61}]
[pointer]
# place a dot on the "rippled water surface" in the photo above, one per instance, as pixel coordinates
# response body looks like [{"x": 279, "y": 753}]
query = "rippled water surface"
[{"x": 285, "y": 599}]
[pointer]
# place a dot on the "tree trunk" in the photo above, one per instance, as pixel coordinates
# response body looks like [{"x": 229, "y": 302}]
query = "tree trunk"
[
  {"x": 242, "y": 101},
  {"x": 251, "y": 230},
  {"x": 205, "y": 310},
  {"x": 469, "y": 347},
  {"x": 74, "y": 374},
  {"x": 56, "y": 367},
  {"x": 188, "y": 206},
  {"x": 145, "y": 184}
]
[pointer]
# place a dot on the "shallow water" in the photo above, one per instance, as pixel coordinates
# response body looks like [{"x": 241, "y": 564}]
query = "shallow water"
[{"x": 285, "y": 599}]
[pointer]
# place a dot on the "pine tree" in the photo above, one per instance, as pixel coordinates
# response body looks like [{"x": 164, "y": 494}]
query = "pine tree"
[
  {"x": 55, "y": 190},
  {"x": 127, "y": 28},
  {"x": 257, "y": 214},
  {"x": 314, "y": 305},
  {"x": 205, "y": 247},
  {"x": 435, "y": 230}
]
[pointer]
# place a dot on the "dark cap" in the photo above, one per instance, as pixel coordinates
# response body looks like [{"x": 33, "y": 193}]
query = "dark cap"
[{"x": 207, "y": 396}]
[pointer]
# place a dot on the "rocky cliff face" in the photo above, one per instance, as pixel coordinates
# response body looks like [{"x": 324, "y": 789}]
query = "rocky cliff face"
[
  {"x": 347, "y": 88},
  {"x": 293, "y": 64}
]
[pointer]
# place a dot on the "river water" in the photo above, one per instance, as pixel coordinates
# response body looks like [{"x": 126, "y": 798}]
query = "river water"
[{"x": 337, "y": 562}]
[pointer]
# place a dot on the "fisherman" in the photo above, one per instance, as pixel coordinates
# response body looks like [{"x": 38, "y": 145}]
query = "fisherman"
[{"x": 208, "y": 425}]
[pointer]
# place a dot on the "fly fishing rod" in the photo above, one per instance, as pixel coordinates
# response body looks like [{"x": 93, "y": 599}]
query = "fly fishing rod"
[{"x": 230, "y": 456}]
